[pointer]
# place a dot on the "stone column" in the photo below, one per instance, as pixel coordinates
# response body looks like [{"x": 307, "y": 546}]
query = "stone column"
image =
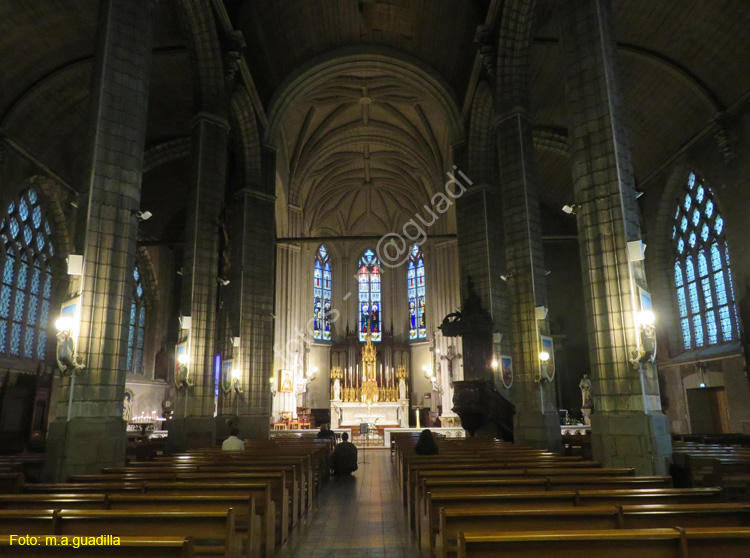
[
  {"x": 193, "y": 425},
  {"x": 536, "y": 421},
  {"x": 252, "y": 221},
  {"x": 480, "y": 246},
  {"x": 628, "y": 427},
  {"x": 91, "y": 434}
]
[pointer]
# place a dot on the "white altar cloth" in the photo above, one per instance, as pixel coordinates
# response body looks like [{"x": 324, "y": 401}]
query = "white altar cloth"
[{"x": 381, "y": 413}]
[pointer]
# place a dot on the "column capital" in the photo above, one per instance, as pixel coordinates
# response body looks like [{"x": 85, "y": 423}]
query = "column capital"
[
  {"x": 517, "y": 111},
  {"x": 205, "y": 117},
  {"x": 253, "y": 193}
]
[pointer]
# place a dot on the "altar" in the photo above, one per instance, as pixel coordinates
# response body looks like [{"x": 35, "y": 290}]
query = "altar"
[
  {"x": 366, "y": 397},
  {"x": 353, "y": 413}
]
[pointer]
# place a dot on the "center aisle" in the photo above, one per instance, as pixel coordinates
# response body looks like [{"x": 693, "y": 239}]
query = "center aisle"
[{"x": 357, "y": 517}]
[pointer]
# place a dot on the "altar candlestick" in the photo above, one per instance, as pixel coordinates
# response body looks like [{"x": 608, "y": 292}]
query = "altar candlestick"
[{"x": 381, "y": 374}]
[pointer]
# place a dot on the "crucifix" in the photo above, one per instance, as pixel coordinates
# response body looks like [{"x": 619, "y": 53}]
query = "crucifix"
[{"x": 450, "y": 357}]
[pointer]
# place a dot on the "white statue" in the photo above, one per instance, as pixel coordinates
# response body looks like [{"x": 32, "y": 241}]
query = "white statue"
[
  {"x": 401, "y": 388},
  {"x": 585, "y": 385},
  {"x": 336, "y": 390},
  {"x": 127, "y": 407}
]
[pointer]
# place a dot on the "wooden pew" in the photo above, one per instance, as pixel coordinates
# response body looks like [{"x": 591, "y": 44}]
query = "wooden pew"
[
  {"x": 53, "y": 501},
  {"x": 11, "y": 483},
  {"x": 258, "y": 527},
  {"x": 213, "y": 532},
  {"x": 430, "y": 522},
  {"x": 501, "y": 520},
  {"x": 727, "y": 542},
  {"x": 142, "y": 547},
  {"x": 516, "y": 484}
]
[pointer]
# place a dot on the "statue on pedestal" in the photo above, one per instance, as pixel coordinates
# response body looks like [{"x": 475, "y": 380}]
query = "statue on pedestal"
[{"x": 585, "y": 386}]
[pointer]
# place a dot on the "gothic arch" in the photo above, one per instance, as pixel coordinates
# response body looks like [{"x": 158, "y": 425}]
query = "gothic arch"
[
  {"x": 482, "y": 137},
  {"x": 248, "y": 139}
]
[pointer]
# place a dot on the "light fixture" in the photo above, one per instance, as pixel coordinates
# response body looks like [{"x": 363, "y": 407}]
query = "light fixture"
[
  {"x": 222, "y": 281},
  {"x": 506, "y": 276},
  {"x": 646, "y": 353},
  {"x": 547, "y": 272},
  {"x": 143, "y": 215},
  {"x": 544, "y": 356},
  {"x": 638, "y": 194},
  {"x": 186, "y": 322},
  {"x": 540, "y": 312},
  {"x": 75, "y": 264},
  {"x": 544, "y": 362},
  {"x": 571, "y": 209},
  {"x": 68, "y": 361},
  {"x": 272, "y": 381},
  {"x": 494, "y": 365},
  {"x": 646, "y": 318},
  {"x": 236, "y": 385}
]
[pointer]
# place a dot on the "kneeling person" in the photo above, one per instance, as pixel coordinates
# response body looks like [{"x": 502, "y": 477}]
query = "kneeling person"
[{"x": 344, "y": 458}]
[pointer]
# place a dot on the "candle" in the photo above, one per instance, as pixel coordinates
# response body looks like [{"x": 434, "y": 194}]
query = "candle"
[{"x": 381, "y": 374}]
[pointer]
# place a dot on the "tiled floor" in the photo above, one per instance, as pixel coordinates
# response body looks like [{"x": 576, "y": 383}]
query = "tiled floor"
[{"x": 357, "y": 517}]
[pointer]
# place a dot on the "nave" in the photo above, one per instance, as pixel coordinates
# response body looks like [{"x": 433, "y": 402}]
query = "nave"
[{"x": 357, "y": 517}]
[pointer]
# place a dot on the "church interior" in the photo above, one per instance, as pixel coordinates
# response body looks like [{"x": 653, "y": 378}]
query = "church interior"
[{"x": 517, "y": 223}]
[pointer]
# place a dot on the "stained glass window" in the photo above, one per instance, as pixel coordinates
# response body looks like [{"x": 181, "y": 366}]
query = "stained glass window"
[
  {"x": 705, "y": 300},
  {"x": 322, "y": 295},
  {"x": 416, "y": 290},
  {"x": 136, "y": 325},
  {"x": 26, "y": 286},
  {"x": 369, "y": 296}
]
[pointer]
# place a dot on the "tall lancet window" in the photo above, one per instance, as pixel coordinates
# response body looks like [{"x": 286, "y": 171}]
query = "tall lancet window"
[
  {"x": 369, "y": 296},
  {"x": 136, "y": 326},
  {"x": 416, "y": 291},
  {"x": 702, "y": 275},
  {"x": 26, "y": 260},
  {"x": 322, "y": 295}
]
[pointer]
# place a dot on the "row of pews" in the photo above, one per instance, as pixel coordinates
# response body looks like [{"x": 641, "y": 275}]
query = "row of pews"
[
  {"x": 482, "y": 498},
  {"x": 697, "y": 464},
  {"x": 204, "y": 503}
]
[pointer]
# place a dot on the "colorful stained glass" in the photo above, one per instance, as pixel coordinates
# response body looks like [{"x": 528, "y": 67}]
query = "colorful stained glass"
[
  {"x": 3, "y": 334},
  {"x": 686, "y": 334},
  {"x": 35, "y": 274},
  {"x": 41, "y": 345},
  {"x": 415, "y": 289},
  {"x": 28, "y": 235},
  {"x": 8, "y": 270},
  {"x": 694, "y": 301},
  {"x": 369, "y": 296},
  {"x": 712, "y": 303},
  {"x": 5, "y": 295},
  {"x": 707, "y": 296},
  {"x": 23, "y": 210},
  {"x": 681, "y": 302},
  {"x": 31, "y": 313},
  {"x": 18, "y": 306},
  {"x": 698, "y": 330},
  {"x": 711, "y": 330},
  {"x": 14, "y": 228},
  {"x": 719, "y": 225},
  {"x": 31, "y": 194},
  {"x": 36, "y": 217},
  {"x": 15, "y": 339},
  {"x": 28, "y": 343},
  {"x": 322, "y": 282},
  {"x": 44, "y": 315},
  {"x": 726, "y": 323},
  {"x": 47, "y": 285}
]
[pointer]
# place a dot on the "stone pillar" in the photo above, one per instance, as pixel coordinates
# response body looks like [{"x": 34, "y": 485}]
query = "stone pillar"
[
  {"x": 91, "y": 434},
  {"x": 628, "y": 427},
  {"x": 480, "y": 247},
  {"x": 193, "y": 424},
  {"x": 536, "y": 421},
  {"x": 252, "y": 224}
]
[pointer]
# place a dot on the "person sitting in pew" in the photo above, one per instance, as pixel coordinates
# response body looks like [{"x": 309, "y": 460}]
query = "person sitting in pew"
[
  {"x": 344, "y": 458},
  {"x": 325, "y": 432},
  {"x": 426, "y": 444},
  {"x": 233, "y": 443}
]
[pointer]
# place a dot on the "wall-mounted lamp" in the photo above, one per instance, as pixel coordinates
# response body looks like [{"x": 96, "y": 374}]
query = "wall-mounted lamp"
[
  {"x": 235, "y": 342},
  {"x": 645, "y": 326},
  {"x": 272, "y": 381},
  {"x": 506, "y": 276},
  {"x": 540, "y": 312},
  {"x": 68, "y": 361},
  {"x": 495, "y": 364},
  {"x": 236, "y": 384},
  {"x": 222, "y": 281},
  {"x": 142, "y": 215},
  {"x": 186, "y": 322},
  {"x": 75, "y": 264},
  {"x": 571, "y": 209},
  {"x": 544, "y": 363},
  {"x": 182, "y": 381}
]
